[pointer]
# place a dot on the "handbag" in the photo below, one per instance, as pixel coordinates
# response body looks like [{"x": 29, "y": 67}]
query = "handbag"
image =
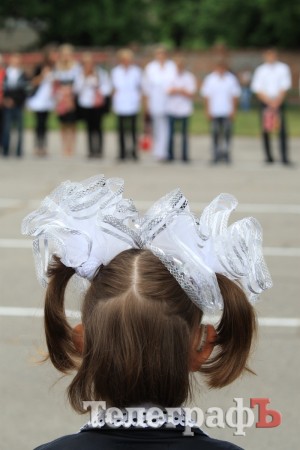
[
  {"x": 271, "y": 119},
  {"x": 146, "y": 141},
  {"x": 99, "y": 99}
]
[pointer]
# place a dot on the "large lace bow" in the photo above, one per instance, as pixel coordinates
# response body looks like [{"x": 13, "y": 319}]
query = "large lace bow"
[
  {"x": 87, "y": 224},
  {"x": 194, "y": 250},
  {"x": 74, "y": 223}
]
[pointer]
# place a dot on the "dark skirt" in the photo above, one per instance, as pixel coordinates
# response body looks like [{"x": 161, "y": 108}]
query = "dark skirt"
[{"x": 68, "y": 118}]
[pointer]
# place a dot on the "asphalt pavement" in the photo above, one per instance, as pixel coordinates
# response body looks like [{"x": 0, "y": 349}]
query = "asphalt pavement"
[{"x": 34, "y": 405}]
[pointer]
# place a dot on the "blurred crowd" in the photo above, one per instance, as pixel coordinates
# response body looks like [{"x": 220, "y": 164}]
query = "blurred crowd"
[{"x": 162, "y": 93}]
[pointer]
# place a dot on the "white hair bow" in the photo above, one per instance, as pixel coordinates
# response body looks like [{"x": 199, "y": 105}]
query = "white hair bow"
[
  {"x": 87, "y": 224},
  {"x": 71, "y": 223},
  {"x": 195, "y": 250}
]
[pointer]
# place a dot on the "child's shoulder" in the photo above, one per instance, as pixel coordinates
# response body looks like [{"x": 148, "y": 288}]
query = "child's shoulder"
[
  {"x": 137, "y": 439},
  {"x": 205, "y": 442}
]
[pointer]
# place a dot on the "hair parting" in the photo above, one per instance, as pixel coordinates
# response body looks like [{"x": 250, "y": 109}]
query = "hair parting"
[{"x": 138, "y": 327}]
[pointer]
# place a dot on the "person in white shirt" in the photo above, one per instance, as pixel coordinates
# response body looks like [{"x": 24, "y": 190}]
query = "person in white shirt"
[
  {"x": 179, "y": 105},
  {"x": 93, "y": 88},
  {"x": 271, "y": 82},
  {"x": 157, "y": 76},
  {"x": 221, "y": 91},
  {"x": 41, "y": 101},
  {"x": 126, "y": 101}
]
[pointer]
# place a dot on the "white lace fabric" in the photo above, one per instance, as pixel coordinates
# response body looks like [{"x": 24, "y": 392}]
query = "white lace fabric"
[
  {"x": 71, "y": 223},
  {"x": 137, "y": 417},
  {"x": 87, "y": 224}
]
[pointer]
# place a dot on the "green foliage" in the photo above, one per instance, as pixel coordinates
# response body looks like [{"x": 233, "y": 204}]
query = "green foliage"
[{"x": 183, "y": 23}]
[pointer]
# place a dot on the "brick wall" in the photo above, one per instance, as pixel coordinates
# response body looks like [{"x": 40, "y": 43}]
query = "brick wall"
[{"x": 199, "y": 62}]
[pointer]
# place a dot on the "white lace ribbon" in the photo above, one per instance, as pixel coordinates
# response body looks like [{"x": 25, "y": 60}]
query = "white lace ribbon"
[
  {"x": 87, "y": 224},
  {"x": 70, "y": 224}
]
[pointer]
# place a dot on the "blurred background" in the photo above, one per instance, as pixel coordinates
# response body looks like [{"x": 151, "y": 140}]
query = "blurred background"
[{"x": 41, "y": 150}]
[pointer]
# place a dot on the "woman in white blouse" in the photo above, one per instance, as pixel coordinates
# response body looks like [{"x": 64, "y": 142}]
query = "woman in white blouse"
[
  {"x": 65, "y": 74},
  {"x": 41, "y": 101},
  {"x": 181, "y": 91},
  {"x": 157, "y": 77},
  {"x": 126, "y": 81},
  {"x": 93, "y": 88}
]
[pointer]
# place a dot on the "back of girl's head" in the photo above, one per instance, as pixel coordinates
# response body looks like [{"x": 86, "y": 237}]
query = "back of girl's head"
[{"x": 138, "y": 328}]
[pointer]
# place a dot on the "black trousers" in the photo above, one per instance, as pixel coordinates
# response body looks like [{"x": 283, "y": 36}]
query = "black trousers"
[
  {"x": 1, "y": 126},
  {"x": 221, "y": 132},
  {"x": 183, "y": 123},
  {"x": 93, "y": 120},
  {"x": 127, "y": 136},
  {"x": 41, "y": 119},
  {"x": 12, "y": 118},
  {"x": 282, "y": 134}
]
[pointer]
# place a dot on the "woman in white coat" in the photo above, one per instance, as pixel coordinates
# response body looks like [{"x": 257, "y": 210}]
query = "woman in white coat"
[{"x": 156, "y": 80}]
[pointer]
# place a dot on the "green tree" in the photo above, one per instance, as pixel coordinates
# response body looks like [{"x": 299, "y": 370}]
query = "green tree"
[{"x": 183, "y": 23}]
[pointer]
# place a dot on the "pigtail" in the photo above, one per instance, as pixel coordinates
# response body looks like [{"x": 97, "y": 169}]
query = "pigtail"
[
  {"x": 57, "y": 329},
  {"x": 235, "y": 334}
]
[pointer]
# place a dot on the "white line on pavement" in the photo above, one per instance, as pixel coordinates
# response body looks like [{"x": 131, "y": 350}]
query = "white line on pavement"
[
  {"x": 10, "y": 202},
  {"x": 282, "y": 251},
  {"x": 267, "y": 208},
  {"x": 15, "y": 243},
  {"x": 8, "y": 311}
]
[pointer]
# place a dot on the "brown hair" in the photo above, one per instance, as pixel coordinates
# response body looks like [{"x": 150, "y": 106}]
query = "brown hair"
[{"x": 138, "y": 326}]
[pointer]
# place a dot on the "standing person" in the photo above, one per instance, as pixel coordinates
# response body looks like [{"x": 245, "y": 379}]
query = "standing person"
[
  {"x": 126, "y": 82},
  {"x": 41, "y": 101},
  {"x": 245, "y": 81},
  {"x": 2, "y": 76},
  {"x": 179, "y": 106},
  {"x": 142, "y": 332},
  {"x": 270, "y": 83},
  {"x": 65, "y": 74},
  {"x": 14, "y": 96},
  {"x": 221, "y": 91},
  {"x": 93, "y": 87},
  {"x": 157, "y": 76}
]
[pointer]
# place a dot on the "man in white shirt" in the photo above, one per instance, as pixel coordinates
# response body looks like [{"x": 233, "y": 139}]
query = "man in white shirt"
[
  {"x": 270, "y": 83},
  {"x": 157, "y": 76},
  {"x": 179, "y": 106},
  {"x": 127, "y": 83},
  {"x": 221, "y": 91}
]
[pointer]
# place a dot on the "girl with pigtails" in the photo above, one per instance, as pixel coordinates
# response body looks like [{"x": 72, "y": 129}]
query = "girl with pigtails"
[{"x": 155, "y": 282}]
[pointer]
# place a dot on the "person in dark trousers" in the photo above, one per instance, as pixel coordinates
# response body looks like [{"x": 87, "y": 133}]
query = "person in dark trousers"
[
  {"x": 126, "y": 82},
  {"x": 41, "y": 101},
  {"x": 2, "y": 76},
  {"x": 221, "y": 91},
  {"x": 271, "y": 82},
  {"x": 93, "y": 89},
  {"x": 14, "y": 95},
  {"x": 179, "y": 107}
]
